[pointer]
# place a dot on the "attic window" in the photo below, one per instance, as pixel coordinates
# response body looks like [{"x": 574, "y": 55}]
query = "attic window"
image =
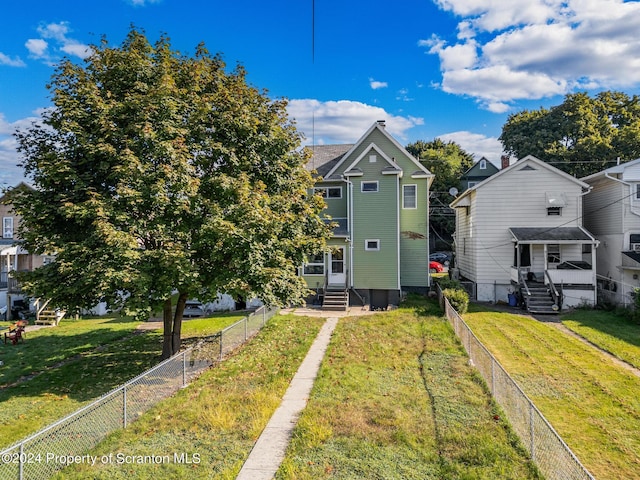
[
  {"x": 369, "y": 186},
  {"x": 483, "y": 164},
  {"x": 373, "y": 159}
]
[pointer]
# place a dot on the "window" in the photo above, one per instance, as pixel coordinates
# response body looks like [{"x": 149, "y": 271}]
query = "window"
[
  {"x": 373, "y": 159},
  {"x": 372, "y": 245},
  {"x": 315, "y": 265},
  {"x": 557, "y": 211},
  {"x": 7, "y": 227},
  {"x": 409, "y": 193},
  {"x": 638, "y": 191},
  {"x": 483, "y": 164},
  {"x": 329, "y": 192},
  {"x": 369, "y": 186},
  {"x": 472, "y": 184},
  {"x": 553, "y": 253}
]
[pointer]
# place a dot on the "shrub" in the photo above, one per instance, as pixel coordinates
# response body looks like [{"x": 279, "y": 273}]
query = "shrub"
[
  {"x": 458, "y": 298},
  {"x": 446, "y": 282}
]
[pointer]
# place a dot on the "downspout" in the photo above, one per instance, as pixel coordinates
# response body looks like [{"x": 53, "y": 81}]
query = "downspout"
[
  {"x": 350, "y": 226},
  {"x": 398, "y": 228}
]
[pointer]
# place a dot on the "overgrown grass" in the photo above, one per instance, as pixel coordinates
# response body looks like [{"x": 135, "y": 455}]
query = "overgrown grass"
[
  {"x": 396, "y": 398},
  {"x": 592, "y": 403},
  {"x": 618, "y": 335},
  {"x": 59, "y": 369},
  {"x": 219, "y": 416}
]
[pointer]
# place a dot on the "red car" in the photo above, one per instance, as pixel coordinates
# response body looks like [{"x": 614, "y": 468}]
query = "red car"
[{"x": 435, "y": 267}]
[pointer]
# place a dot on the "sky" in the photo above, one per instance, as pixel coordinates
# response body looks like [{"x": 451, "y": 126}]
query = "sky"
[{"x": 448, "y": 69}]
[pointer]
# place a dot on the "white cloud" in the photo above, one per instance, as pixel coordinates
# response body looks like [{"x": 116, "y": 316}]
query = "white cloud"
[
  {"x": 37, "y": 47},
  {"x": 59, "y": 43},
  {"x": 10, "y": 173},
  {"x": 11, "y": 62},
  {"x": 375, "y": 85},
  {"x": 141, "y": 3},
  {"x": 476, "y": 144},
  {"x": 531, "y": 49},
  {"x": 343, "y": 121}
]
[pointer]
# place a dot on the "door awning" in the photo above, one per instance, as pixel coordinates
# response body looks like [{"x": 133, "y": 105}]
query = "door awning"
[{"x": 542, "y": 235}]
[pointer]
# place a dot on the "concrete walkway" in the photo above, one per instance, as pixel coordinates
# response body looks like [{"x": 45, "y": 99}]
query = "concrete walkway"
[{"x": 268, "y": 452}]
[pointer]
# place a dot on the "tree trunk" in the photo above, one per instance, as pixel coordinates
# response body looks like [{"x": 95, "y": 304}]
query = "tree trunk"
[
  {"x": 167, "y": 319},
  {"x": 177, "y": 322}
]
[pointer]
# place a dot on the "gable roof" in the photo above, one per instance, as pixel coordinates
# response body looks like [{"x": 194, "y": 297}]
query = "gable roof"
[
  {"x": 324, "y": 157},
  {"x": 476, "y": 171},
  {"x": 611, "y": 170},
  {"x": 380, "y": 127},
  {"x": 522, "y": 163}
]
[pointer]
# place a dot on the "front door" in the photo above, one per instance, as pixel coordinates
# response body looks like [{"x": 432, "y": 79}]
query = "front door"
[{"x": 337, "y": 274}]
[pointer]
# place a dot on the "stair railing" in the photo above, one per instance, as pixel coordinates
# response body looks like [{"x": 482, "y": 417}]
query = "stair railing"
[{"x": 557, "y": 298}]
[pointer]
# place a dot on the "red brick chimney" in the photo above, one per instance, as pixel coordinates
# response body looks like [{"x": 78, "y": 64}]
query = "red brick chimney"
[{"x": 504, "y": 161}]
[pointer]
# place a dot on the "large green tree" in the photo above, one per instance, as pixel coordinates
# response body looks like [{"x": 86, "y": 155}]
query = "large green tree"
[
  {"x": 581, "y": 136},
  {"x": 447, "y": 161},
  {"x": 158, "y": 173}
]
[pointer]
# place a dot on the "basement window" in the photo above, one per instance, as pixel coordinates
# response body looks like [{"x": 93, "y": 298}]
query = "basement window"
[{"x": 372, "y": 245}]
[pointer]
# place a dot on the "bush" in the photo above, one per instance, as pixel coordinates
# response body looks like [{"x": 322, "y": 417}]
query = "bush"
[
  {"x": 458, "y": 298},
  {"x": 446, "y": 282}
]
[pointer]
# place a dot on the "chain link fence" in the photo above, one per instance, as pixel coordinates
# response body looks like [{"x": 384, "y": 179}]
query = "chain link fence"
[
  {"x": 552, "y": 456},
  {"x": 67, "y": 441}
]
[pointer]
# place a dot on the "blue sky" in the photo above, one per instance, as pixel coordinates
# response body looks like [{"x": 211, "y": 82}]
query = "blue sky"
[{"x": 453, "y": 69}]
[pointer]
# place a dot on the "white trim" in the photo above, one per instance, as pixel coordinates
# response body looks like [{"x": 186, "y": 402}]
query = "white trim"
[
  {"x": 415, "y": 196},
  {"x": 382, "y": 130},
  {"x": 7, "y": 227},
  {"x": 374, "y": 249},
  {"x": 367, "y": 151},
  {"x": 315, "y": 264},
  {"x": 370, "y": 191},
  {"x": 398, "y": 230}
]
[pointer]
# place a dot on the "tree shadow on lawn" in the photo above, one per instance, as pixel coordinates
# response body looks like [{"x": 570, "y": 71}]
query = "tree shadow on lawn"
[
  {"x": 610, "y": 323},
  {"x": 86, "y": 370}
]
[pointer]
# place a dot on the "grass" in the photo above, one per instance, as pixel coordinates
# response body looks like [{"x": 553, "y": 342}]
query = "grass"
[
  {"x": 59, "y": 369},
  {"x": 396, "y": 398},
  {"x": 617, "y": 335},
  {"x": 219, "y": 416},
  {"x": 593, "y": 404}
]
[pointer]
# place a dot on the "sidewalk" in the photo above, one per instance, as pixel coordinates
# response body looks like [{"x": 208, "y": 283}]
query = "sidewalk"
[{"x": 268, "y": 452}]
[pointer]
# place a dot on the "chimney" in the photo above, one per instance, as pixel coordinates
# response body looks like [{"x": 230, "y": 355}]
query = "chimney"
[
  {"x": 381, "y": 123},
  {"x": 504, "y": 161}
]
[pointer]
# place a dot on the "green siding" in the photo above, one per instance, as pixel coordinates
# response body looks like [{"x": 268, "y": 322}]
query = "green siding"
[
  {"x": 336, "y": 207},
  {"x": 376, "y": 218},
  {"x": 414, "y": 258},
  {"x": 317, "y": 281}
]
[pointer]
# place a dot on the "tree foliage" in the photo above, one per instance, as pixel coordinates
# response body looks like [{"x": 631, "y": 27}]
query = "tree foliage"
[
  {"x": 581, "y": 136},
  {"x": 157, "y": 173},
  {"x": 447, "y": 161}
]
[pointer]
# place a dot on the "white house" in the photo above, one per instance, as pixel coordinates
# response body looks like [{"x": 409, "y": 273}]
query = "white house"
[
  {"x": 520, "y": 232},
  {"x": 612, "y": 213}
]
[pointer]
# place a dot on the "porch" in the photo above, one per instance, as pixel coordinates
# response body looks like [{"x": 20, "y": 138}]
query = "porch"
[{"x": 557, "y": 263}]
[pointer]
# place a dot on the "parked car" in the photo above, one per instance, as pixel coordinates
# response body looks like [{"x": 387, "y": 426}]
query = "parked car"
[
  {"x": 193, "y": 309},
  {"x": 435, "y": 267},
  {"x": 440, "y": 257}
]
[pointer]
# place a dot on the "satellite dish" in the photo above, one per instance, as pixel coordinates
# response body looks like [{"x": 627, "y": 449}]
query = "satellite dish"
[{"x": 453, "y": 191}]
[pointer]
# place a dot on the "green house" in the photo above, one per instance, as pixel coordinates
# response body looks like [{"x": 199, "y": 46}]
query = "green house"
[{"x": 377, "y": 198}]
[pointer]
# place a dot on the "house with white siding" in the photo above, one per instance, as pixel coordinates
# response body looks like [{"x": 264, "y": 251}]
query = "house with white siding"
[
  {"x": 612, "y": 214},
  {"x": 519, "y": 237},
  {"x": 377, "y": 197}
]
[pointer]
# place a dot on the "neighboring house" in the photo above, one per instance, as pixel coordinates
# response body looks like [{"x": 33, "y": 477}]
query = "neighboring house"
[
  {"x": 481, "y": 170},
  {"x": 612, "y": 213},
  {"x": 12, "y": 257},
  {"x": 377, "y": 195},
  {"x": 520, "y": 232}
]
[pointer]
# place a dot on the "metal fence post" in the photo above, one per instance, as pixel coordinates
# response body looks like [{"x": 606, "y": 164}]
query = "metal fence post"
[
  {"x": 124, "y": 406},
  {"x": 21, "y": 465},
  {"x": 532, "y": 432},
  {"x": 184, "y": 368}
]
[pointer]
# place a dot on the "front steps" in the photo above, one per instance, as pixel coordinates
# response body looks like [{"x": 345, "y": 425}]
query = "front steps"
[
  {"x": 336, "y": 298},
  {"x": 540, "y": 301}
]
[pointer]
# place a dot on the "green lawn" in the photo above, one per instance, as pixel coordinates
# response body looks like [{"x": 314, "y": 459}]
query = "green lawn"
[
  {"x": 396, "y": 398},
  {"x": 617, "y": 335},
  {"x": 59, "y": 369},
  {"x": 593, "y": 404}
]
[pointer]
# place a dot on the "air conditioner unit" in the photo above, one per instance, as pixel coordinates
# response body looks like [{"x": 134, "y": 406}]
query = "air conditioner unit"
[{"x": 635, "y": 247}]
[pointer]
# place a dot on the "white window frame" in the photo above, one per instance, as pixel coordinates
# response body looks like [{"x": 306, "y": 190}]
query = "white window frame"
[
  {"x": 373, "y": 158},
  {"x": 314, "y": 264},
  {"x": 483, "y": 164},
  {"x": 324, "y": 191},
  {"x": 554, "y": 257},
  {"x": 7, "y": 227},
  {"x": 368, "y": 248},
  {"x": 369, "y": 182},
  {"x": 415, "y": 197},
  {"x": 472, "y": 184}
]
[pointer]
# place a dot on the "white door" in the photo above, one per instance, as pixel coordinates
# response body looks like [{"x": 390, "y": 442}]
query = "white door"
[{"x": 337, "y": 274}]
